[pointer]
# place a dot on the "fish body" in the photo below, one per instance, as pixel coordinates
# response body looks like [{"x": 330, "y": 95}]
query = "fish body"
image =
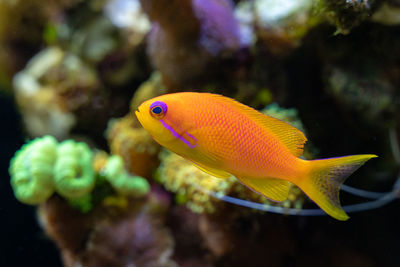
[{"x": 223, "y": 138}]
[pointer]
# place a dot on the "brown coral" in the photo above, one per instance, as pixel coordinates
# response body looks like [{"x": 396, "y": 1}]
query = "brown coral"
[
  {"x": 110, "y": 236},
  {"x": 189, "y": 38}
]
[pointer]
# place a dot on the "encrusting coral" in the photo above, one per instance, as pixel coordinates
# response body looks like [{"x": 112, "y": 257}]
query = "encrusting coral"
[{"x": 43, "y": 167}]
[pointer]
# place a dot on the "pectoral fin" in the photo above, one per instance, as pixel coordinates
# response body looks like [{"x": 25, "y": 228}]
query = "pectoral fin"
[
  {"x": 214, "y": 172},
  {"x": 272, "y": 188}
]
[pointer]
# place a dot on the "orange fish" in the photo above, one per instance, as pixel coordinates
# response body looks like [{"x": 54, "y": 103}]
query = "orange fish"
[{"x": 224, "y": 137}]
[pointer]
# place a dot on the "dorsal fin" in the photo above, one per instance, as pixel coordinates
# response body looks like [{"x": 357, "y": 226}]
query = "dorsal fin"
[{"x": 290, "y": 136}]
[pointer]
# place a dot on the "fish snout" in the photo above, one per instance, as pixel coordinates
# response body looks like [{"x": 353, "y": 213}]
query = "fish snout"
[{"x": 138, "y": 114}]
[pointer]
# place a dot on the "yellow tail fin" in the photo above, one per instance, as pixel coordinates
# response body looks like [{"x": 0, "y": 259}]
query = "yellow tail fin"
[{"x": 325, "y": 178}]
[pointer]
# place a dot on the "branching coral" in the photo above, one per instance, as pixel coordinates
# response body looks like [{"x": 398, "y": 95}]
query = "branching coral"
[
  {"x": 43, "y": 167},
  {"x": 31, "y": 170},
  {"x": 188, "y": 37}
]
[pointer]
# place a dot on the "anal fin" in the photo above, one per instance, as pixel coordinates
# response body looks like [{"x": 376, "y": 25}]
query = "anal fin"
[
  {"x": 211, "y": 171},
  {"x": 272, "y": 188}
]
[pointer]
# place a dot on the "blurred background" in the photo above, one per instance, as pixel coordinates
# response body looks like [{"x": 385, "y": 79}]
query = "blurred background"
[{"x": 75, "y": 70}]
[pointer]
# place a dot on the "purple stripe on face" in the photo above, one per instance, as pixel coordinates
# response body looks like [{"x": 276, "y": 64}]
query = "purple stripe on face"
[
  {"x": 191, "y": 136},
  {"x": 180, "y": 137}
]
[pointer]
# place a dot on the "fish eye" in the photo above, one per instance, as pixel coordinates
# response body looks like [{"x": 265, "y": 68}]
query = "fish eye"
[{"x": 158, "y": 109}]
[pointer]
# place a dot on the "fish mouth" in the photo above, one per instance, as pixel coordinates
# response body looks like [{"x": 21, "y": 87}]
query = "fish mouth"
[
  {"x": 140, "y": 115},
  {"x": 137, "y": 113}
]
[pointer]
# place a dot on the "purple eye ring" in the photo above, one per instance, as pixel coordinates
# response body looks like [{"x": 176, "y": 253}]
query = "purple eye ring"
[{"x": 158, "y": 109}]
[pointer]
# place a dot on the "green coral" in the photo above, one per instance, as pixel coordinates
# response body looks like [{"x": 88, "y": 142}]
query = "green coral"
[
  {"x": 121, "y": 181},
  {"x": 74, "y": 176},
  {"x": 31, "y": 170},
  {"x": 43, "y": 166}
]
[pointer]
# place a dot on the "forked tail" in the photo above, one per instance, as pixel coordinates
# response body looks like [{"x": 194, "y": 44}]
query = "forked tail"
[{"x": 324, "y": 179}]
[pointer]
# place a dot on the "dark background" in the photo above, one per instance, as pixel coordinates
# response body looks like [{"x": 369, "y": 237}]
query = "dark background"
[{"x": 23, "y": 243}]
